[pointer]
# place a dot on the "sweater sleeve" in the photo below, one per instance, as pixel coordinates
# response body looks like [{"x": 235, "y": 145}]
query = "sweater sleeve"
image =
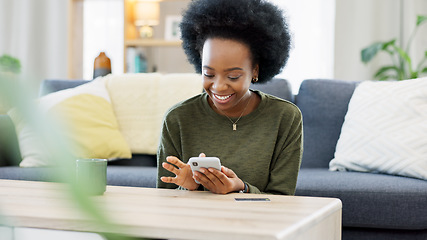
[
  {"x": 285, "y": 168},
  {"x": 167, "y": 147}
]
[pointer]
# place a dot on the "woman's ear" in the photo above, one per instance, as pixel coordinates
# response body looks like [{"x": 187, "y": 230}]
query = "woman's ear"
[{"x": 255, "y": 71}]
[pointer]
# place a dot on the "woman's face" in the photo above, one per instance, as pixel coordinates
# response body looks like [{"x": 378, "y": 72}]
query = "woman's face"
[{"x": 227, "y": 71}]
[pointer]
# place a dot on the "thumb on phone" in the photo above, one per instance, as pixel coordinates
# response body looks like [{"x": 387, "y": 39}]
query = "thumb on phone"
[{"x": 202, "y": 155}]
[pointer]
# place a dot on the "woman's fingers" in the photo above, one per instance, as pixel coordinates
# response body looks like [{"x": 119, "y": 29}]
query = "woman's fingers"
[
  {"x": 175, "y": 161},
  {"x": 210, "y": 178},
  {"x": 204, "y": 180},
  {"x": 222, "y": 177},
  {"x": 168, "y": 179},
  {"x": 170, "y": 168},
  {"x": 222, "y": 182}
]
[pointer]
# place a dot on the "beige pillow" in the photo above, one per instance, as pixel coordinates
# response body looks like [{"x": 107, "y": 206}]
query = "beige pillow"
[{"x": 141, "y": 100}]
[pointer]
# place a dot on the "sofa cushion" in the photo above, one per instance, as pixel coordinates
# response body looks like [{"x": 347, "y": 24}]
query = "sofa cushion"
[
  {"x": 116, "y": 175},
  {"x": 385, "y": 129},
  {"x": 323, "y": 104},
  {"x": 350, "y": 233},
  {"x": 132, "y": 176},
  {"x": 370, "y": 200},
  {"x": 46, "y": 174}
]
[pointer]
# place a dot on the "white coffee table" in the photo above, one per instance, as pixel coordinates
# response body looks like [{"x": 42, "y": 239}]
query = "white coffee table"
[{"x": 162, "y": 213}]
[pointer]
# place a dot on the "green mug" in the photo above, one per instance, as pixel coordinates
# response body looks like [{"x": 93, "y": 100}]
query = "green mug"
[{"x": 91, "y": 175}]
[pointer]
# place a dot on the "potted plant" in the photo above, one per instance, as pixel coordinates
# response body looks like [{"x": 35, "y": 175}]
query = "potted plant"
[
  {"x": 9, "y": 68},
  {"x": 402, "y": 65},
  {"x": 9, "y": 64}
]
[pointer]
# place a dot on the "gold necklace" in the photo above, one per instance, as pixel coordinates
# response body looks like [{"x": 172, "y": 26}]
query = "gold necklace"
[{"x": 235, "y": 123}]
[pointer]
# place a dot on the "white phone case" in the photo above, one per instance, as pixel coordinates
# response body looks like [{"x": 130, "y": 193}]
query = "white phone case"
[{"x": 204, "y": 162}]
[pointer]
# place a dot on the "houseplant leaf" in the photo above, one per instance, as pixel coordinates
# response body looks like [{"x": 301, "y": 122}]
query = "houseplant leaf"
[
  {"x": 387, "y": 77},
  {"x": 369, "y": 52},
  {"x": 421, "y": 19},
  {"x": 9, "y": 64},
  {"x": 403, "y": 66},
  {"x": 381, "y": 72},
  {"x": 403, "y": 55},
  {"x": 414, "y": 75}
]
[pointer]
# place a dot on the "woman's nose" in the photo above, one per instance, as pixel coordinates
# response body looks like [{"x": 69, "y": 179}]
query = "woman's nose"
[{"x": 220, "y": 84}]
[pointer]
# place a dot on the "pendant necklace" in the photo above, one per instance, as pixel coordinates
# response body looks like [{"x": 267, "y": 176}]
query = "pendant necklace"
[{"x": 235, "y": 123}]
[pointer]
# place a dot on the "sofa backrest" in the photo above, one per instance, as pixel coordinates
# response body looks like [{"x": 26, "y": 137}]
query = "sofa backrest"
[
  {"x": 54, "y": 85},
  {"x": 323, "y": 104},
  {"x": 277, "y": 87}
]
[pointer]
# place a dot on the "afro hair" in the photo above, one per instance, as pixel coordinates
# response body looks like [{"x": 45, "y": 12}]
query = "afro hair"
[{"x": 256, "y": 23}]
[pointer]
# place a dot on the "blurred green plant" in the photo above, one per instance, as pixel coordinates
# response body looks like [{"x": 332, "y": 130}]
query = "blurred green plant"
[
  {"x": 401, "y": 67},
  {"x": 58, "y": 151},
  {"x": 9, "y": 64}
]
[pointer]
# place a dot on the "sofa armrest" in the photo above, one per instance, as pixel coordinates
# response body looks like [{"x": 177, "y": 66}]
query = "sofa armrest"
[{"x": 9, "y": 146}]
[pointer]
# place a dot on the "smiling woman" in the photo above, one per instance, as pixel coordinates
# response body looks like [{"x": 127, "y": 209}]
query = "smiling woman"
[
  {"x": 227, "y": 75},
  {"x": 233, "y": 44}
]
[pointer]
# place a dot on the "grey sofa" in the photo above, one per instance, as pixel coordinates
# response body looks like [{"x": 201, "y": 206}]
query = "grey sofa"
[{"x": 375, "y": 206}]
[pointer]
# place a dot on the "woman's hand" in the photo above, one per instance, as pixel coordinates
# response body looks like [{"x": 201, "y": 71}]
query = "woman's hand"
[
  {"x": 222, "y": 182},
  {"x": 183, "y": 174}
]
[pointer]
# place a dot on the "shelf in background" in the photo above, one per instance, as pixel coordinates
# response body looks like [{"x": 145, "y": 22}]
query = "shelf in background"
[{"x": 152, "y": 43}]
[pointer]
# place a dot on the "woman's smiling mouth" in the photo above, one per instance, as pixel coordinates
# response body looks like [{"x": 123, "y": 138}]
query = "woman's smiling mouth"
[{"x": 222, "y": 98}]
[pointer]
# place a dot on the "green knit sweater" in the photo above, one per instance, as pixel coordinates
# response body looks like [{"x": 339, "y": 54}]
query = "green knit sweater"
[{"x": 265, "y": 151}]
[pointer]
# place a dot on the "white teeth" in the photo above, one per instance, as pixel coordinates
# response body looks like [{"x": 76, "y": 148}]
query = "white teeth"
[{"x": 222, "y": 97}]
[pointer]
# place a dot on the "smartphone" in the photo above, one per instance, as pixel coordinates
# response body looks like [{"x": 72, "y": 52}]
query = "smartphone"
[{"x": 204, "y": 162}]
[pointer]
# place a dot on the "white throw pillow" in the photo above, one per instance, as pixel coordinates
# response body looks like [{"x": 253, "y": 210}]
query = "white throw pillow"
[{"x": 385, "y": 130}]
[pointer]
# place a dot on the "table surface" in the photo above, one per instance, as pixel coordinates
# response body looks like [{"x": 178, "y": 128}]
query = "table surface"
[{"x": 165, "y": 213}]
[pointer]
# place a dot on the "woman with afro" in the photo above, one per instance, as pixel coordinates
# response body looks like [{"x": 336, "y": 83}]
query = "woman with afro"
[{"x": 258, "y": 137}]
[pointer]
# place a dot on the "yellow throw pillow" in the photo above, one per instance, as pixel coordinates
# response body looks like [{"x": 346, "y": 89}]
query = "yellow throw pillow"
[{"x": 89, "y": 125}]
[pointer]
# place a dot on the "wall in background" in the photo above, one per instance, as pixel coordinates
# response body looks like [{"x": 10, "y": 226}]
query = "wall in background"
[
  {"x": 166, "y": 57},
  {"x": 102, "y": 32},
  {"x": 101, "y": 29},
  {"x": 363, "y": 22},
  {"x": 35, "y": 32},
  {"x": 411, "y": 9},
  {"x": 312, "y": 25}
]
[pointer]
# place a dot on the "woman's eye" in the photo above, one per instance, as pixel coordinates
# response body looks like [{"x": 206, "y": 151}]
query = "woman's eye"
[
  {"x": 209, "y": 75},
  {"x": 233, "y": 77}
]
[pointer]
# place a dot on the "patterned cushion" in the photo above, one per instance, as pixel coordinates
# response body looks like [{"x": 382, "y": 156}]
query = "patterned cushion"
[{"x": 385, "y": 129}]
